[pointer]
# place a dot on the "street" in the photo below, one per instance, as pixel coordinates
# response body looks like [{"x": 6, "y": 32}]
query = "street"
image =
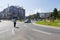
[{"x": 27, "y": 31}]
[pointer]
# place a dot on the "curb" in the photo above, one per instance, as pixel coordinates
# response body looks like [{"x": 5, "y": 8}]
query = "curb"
[{"x": 47, "y": 26}]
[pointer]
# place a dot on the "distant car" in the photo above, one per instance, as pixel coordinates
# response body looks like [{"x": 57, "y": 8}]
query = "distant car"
[
  {"x": 28, "y": 21},
  {"x": 0, "y": 20}
]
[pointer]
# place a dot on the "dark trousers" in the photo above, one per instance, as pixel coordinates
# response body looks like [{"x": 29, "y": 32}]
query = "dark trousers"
[{"x": 14, "y": 24}]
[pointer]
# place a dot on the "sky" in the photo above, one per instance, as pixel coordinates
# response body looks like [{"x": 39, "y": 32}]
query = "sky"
[{"x": 32, "y": 6}]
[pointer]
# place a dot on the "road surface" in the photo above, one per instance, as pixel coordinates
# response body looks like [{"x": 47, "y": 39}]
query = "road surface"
[{"x": 27, "y": 31}]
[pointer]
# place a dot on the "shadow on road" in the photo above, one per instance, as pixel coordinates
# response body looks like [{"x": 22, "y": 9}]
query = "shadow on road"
[{"x": 17, "y": 27}]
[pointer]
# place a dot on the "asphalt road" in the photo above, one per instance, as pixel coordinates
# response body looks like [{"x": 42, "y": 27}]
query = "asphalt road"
[{"x": 27, "y": 31}]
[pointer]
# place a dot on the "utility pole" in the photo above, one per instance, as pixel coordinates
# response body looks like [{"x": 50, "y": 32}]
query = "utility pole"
[{"x": 8, "y": 12}]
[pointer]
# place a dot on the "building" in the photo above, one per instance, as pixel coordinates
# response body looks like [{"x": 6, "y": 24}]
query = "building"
[
  {"x": 13, "y": 11},
  {"x": 44, "y": 15}
]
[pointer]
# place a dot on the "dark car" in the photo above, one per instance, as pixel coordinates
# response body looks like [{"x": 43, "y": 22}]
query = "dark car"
[
  {"x": 28, "y": 21},
  {"x": 0, "y": 20}
]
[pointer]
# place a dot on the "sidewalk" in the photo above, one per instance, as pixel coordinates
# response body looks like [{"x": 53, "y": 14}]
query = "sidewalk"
[{"x": 46, "y": 26}]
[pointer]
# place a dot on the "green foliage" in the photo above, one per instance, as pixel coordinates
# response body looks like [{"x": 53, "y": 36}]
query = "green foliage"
[
  {"x": 38, "y": 16},
  {"x": 59, "y": 14},
  {"x": 34, "y": 16},
  {"x": 31, "y": 17},
  {"x": 56, "y": 23},
  {"x": 55, "y": 13}
]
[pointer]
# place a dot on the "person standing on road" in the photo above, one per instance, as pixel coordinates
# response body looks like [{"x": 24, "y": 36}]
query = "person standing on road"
[{"x": 14, "y": 21}]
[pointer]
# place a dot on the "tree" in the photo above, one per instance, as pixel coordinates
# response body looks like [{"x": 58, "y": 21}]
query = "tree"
[
  {"x": 38, "y": 15},
  {"x": 35, "y": 16},
  {"x": 31, "y": 17},
  {"x": 55, "y": 13},
  {"x": 59, "y": 14}
]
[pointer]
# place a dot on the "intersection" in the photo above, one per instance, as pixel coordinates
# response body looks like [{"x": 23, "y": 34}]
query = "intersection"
[{"x": 27, "y": 31}]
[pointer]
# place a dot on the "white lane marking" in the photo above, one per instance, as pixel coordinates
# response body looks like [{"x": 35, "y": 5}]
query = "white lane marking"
[
  {"x": 42, "y": 31},
  {"x": 13, "y": 31},
  {"x": 4, "y": 31},
  {"x": 39, "y": 30}
]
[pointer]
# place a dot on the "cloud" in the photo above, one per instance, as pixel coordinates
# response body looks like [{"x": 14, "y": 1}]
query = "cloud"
[
  {"x": 38, "y": 10},
  {"x": 30, "y": 12}
]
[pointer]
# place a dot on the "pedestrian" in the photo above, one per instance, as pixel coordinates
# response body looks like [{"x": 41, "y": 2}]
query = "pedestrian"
[{"x": 14, "y": 21}]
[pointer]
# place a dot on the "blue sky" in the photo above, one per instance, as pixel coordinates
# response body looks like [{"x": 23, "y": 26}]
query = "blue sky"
[{"x": 32, "y": 6}]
